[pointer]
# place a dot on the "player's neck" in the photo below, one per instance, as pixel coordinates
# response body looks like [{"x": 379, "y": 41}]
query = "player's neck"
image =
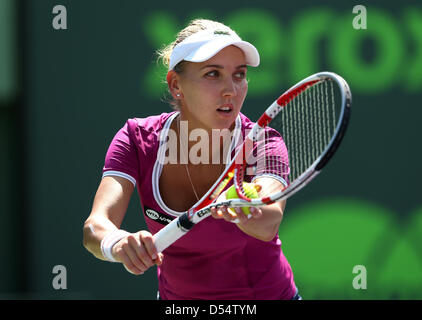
[{"x": 209, "y": 145}]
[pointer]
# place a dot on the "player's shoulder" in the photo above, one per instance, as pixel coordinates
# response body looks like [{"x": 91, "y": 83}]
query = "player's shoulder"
[
  {"x": 150, "y": 124},
  {"x": 246, "y": 122}
]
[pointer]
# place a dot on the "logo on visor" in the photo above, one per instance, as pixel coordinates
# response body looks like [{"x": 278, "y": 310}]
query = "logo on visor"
[{"x": 226, "y": 33}]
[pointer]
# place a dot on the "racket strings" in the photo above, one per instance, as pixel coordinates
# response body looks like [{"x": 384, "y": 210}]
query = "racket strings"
[{"x": 307, "y": 124}]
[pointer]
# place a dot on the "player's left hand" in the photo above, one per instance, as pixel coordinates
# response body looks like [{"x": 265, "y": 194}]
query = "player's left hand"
[{"x": 234, "y": 214}]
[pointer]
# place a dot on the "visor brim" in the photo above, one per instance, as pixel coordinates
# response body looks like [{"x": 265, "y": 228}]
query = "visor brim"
[{"x": 210, "y": 49}]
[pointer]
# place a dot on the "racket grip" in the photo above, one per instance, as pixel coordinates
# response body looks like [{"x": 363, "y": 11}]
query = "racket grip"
[{"x": 168, "y": 235}]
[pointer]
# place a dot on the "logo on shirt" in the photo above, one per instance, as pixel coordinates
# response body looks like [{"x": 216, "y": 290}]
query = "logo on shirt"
[
  {"x": 152, "y": 214},
  {"x": 157, "y": 216}
]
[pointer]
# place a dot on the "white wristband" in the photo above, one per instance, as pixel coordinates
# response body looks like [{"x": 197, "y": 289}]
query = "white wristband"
[{"x": 109, "y": 241}]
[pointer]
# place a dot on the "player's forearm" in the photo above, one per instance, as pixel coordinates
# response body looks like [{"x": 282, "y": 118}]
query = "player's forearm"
[
  {"x": 266, "y": 226},
  {"x": 95, "y": 229}
]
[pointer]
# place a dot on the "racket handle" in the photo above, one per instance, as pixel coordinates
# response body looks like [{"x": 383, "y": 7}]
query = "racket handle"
[{"x": 168, "y": 235}]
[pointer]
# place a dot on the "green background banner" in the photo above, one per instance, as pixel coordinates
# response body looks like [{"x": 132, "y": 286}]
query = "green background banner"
[{"x": 65, "y": 93}]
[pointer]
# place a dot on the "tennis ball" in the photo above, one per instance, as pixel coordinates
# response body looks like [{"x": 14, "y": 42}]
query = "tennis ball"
[{"x": 250, "y": 191}]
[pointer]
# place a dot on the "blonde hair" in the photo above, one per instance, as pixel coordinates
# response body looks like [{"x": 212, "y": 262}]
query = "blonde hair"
[{"x": 193, "y": 27}]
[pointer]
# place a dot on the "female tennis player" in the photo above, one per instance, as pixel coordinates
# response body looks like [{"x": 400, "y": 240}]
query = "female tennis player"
[{"x": 229, "y": 256}]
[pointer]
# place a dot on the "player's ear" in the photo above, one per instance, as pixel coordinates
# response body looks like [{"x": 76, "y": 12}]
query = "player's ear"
[{"x": 173, "y": 84}]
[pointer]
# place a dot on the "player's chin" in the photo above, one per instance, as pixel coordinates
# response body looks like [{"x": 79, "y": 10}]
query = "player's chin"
[{"x": 225, "y": 120}]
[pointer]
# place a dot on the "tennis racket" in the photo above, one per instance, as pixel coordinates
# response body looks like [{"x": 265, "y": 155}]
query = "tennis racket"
[{"x": 292, "y": 142}]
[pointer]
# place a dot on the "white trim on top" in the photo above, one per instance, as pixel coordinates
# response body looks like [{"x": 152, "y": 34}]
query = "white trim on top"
[
  {"x": 120, "y": 174},
  {"x": 158, "y": 167}
]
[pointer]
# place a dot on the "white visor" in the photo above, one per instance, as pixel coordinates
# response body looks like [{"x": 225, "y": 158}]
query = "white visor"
[{"x": 205, "y": 44}]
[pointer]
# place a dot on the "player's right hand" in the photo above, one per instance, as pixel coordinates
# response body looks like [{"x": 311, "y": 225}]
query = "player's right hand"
[{"x": 137, "y": 252}]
